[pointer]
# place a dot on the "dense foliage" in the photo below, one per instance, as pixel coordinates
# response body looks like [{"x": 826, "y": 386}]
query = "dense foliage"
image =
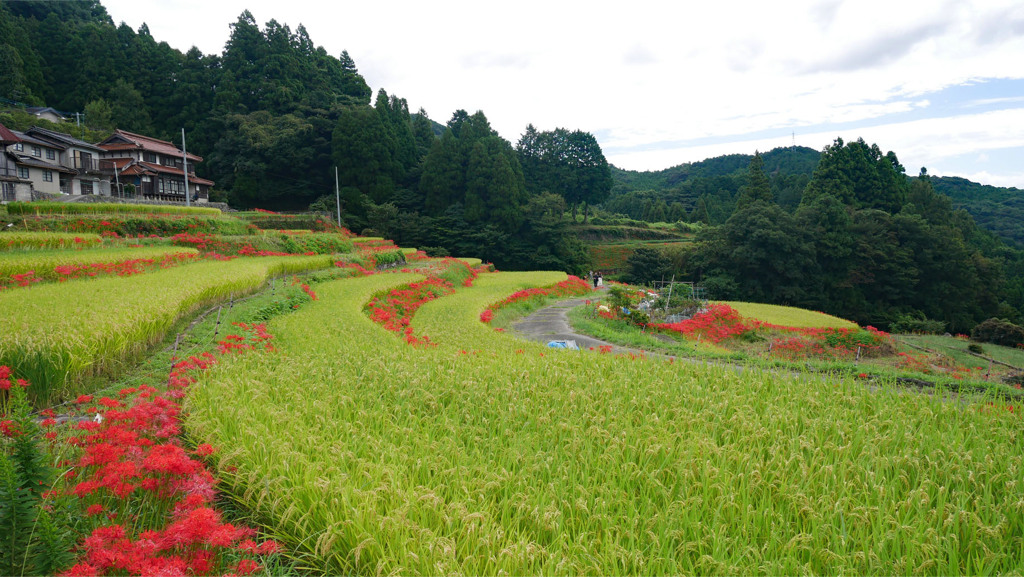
[
  {"x": 865, "y": 242},
  {"x": 279, "y": 121}
]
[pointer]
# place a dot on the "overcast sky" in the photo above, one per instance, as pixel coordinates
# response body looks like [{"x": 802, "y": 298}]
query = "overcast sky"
[{"x": 661, "y": 83}]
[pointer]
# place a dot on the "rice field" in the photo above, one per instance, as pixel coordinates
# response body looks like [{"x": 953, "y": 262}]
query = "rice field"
[
  {"x": 39, "y": 207},
  {"x": 486, "y": 454},
  {"x": 47, "y": 264},
  {"x": 789, "y": 316},
  {"x": 55, "y": 335},
  {"x": 18, "y": 241}
]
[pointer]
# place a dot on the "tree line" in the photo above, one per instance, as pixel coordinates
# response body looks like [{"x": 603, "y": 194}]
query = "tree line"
[
  {"x": 865, "y": 243},
  {"x": 278, "y": 120}
]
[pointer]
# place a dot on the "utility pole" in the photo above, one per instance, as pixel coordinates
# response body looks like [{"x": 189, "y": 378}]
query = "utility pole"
[
  {"x": 184, "y": 166},
  {"x": 117, "y": 179},
  {"x": 337, "y": 194}
]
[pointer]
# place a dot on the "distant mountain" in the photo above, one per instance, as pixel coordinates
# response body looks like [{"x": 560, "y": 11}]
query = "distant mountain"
[
  {"x": 706, "y": 190},
  {"x": 788, "y": 160},
  {"x": 717, "y": 180},
  {"x": 997, "y": 209}
]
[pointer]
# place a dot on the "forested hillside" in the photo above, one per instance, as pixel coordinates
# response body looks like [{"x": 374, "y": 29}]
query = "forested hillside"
[
  {"x": 706, "y": 191},
  {"x": 274, "y": 115},
  {"x": 845, "y": 231},
  {"x": 998, "y": 209}
]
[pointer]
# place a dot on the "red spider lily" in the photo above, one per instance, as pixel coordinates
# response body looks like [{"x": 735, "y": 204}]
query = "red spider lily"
[
  {"x": 134, "y": 453},
  {"x": 573, "y": 286},
  {"x": 395, "y": 309}
]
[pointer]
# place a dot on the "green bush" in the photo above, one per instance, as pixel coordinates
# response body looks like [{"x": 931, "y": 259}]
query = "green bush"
[
  {"x": 916, "y": 323},
  {"x": 998, "y": 332}
]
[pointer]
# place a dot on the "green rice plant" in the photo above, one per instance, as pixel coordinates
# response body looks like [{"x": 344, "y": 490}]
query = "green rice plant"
[
  {"x": 41, "y": 207},
  {"x": 132, "y": 224},
  {"x": 10, "y": 241},
  {"x": 273, "y": 221},
  {"x": 485, "y": 454},
  {"x": 789, "y": 316},
  {"x": 56, "y": 335},
  {"x": 47, "y": 265},
  {"x": 318, "y": 243}
]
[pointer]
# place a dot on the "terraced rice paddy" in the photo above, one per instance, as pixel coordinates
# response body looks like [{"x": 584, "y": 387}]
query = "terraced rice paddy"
[
  {"x": 789, "y": 316},
  {"x": 53, "y": 335},
  {"x": 487, "y": 455},
  {"x": 58, "y": 264}
]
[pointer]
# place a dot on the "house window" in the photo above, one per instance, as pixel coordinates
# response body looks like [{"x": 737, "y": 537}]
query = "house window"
[
  {"x": 23, "y": 172},
  {"x": 47, "y": 176},
  {"x": 149, "y": 156},
  {"x": 36, "y": 151},
  {"x": 7, "y": 191},
  {"x": 51, "y": 154},
  {"x": 86, "y": 187},
  {"x": 19, "y": 147}
]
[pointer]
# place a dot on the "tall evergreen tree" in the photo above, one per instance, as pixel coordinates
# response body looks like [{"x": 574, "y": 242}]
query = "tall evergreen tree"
[{"x": 758, "y": 186}]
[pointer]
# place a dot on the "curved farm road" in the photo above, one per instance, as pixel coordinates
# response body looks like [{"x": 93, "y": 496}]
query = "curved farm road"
[{"x": 551, "y": 323}]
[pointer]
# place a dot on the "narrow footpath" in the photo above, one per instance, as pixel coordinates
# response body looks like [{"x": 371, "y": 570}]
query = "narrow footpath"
[{"x": 551, "y": 323}]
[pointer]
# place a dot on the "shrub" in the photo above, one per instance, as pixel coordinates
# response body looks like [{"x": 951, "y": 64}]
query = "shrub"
[
  {"x": 916, "y": 323},
  {"x": 998, "y": 332}
]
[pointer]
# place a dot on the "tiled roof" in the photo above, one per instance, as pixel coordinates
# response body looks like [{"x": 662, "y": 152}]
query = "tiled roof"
[
  {"x": 124, "y": 140},
  {"x": 6, "y": 136},
  {"x": 192, "y": 179},
  {"x": 32, "y": 161},
  {"x": 61, "y": 137},
  {"x": 33, "y": 140}
]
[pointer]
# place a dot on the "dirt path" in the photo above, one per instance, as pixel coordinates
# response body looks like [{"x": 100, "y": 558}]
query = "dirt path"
[{"x": 551, "y": 323}]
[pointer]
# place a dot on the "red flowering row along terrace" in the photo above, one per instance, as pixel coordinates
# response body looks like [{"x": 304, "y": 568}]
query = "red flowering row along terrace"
[
  {"x": 720, "y": 322},
  {"x": 572, "y": 286},
  {"x": 119, "y": 268},
  {"x": 394, "y": 309},
  {"x": 145, "y": 501}
]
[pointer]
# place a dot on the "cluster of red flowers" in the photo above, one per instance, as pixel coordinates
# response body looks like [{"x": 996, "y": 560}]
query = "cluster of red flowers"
[
  {"x": 122, "y": 268},
  {"x": 486, "y": 316},
  {"x": 259, "y": 338},
  {"x": 354, "y": 266},
  {"x": 5, "y": 379},
  {"x": 148, "y": 499},
  {"x": 912, "y": 362},
  {"x": 132, "y": 456},
  {"x": 305, "y": 287},
  {"x": 573, "y": 286},
  {"x": 19, "y": 280},
  {"x": 200, "y": 240},
  {"x": 264, "y": 211},
  {"x": 377, "y": 245},
  {"x": 395, "y": 309},
  {"x": 248, "y": 250},
  {"x": 717, "y": 323}
]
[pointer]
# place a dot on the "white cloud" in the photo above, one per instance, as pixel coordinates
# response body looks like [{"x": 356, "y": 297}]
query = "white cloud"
[{"x": 649, "y": 71}]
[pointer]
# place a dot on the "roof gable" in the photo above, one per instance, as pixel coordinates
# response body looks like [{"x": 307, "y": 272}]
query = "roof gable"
[
  {"x": 6, "y": 136},
  {"x": 121, "y": 138},
  {"x": 60, "y": 138}
]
